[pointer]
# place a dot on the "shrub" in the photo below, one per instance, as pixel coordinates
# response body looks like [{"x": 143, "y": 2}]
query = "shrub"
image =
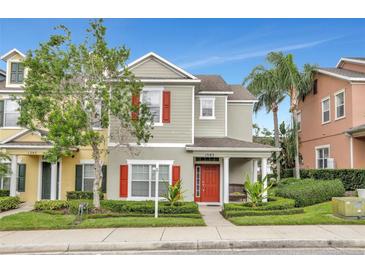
[
  {"x": 148, "y": 207},
  {"x": 274, "y": 203},
  {"x": 7, "y": 203},
  {"x": 256, "y": 191},
  {"x": 236, "y": 213},
  {"x": 352, "y": 179},
  {"x": 81, "y": 195},
  {"x": 309, "y": 191},
  {"x": 174, "y": 193},
  {"x": 4, "y": 193},
  {"x": 44, "y": 205}
]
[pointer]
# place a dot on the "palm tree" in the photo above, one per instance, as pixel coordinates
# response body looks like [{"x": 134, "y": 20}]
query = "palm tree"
[
  {"x": 297, "y": 84},
  {"x": 266, "y": 86}
]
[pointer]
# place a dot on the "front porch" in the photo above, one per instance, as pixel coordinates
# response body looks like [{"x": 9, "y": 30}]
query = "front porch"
[{"x": 221, "y": 163}]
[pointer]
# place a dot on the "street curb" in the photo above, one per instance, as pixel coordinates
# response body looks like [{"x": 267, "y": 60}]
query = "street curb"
[{"x": 180, "y": 245}]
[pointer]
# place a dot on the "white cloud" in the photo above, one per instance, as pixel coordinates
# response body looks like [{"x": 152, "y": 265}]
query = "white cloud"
[{"x": 213, "y": 60}]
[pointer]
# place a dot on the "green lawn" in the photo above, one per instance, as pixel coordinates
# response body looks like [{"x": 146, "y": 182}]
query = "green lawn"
[
  {"x": 37, "y": 220},
  {"x": 315, "y": 214}
]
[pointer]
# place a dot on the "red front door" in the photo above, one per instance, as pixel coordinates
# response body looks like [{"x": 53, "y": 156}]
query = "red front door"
[{"x": 207, "y": 183}]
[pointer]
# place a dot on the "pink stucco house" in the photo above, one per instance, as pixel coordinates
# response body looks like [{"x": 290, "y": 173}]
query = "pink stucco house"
[{"x": 332, "y": 117}]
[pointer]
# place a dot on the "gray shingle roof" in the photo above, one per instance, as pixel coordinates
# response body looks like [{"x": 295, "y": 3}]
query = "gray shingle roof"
[
  {"x": 344, "y": 72},
  {"x": 217, "y": 83},
  {"x": 225, "y": 142},
  {"x": 240, "y": 93}
]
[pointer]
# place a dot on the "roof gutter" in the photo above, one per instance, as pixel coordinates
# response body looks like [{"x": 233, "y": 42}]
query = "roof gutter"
[{"x": 242, "y": 149}]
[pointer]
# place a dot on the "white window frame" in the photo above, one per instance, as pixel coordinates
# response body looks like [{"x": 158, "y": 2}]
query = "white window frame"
[
  {"x": 299, "y": 117},
  {"x": 146, "y": 162},
  {"x": 316, "y": 154},
  {"x": 344, "y": 104},
  {"x": 329, "y": 109},
  {"x": 203, "y": 98},
  {"x": 158, "y": 89},
  {"x": 83, "y": 175},
  {"x": 5, "y": 175},
  {"x": 4, "y": 124}
]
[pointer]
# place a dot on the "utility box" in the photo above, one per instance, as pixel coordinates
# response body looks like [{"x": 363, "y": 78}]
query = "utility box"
[{"x": 349, "y": 207}]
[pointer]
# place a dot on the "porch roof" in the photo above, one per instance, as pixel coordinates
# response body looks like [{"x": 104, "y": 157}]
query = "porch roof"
[
  {"x": 227, "y": 144},
  {"x": 357, "y": 129}
]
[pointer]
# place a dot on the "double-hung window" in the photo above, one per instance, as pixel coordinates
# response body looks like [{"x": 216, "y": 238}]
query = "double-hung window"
[
  {"x": 16, "y": 73},
  {"x": 5, "y": 179},
  {"x": 326, "y": 116},
  {"x": 9, "y": 113},
  {"x": 88, "y": 177},
  {"x": 207, "y": 108},
  {"x": 143, "y": 180},
  {"x": 322, "y": 155},
  {"x": 340, "y": 104},
  {"x": 152, "y": 97},
  {"x": 299, "y": 121}
]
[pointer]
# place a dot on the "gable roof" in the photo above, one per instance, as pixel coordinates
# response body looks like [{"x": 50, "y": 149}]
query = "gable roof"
[
  {"x": 345, "y": 74},
  {"x": 356, "y": 60},
  {"x": 18, "y": 136},
  {"x": 216, "y": 83},
  {"x": 162, "y": 61},
  {"x": 10, "y": 53}
]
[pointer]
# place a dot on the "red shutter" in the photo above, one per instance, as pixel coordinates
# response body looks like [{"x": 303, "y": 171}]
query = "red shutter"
[
  {"x": 175, "y": 174},
  {"x": 166, "y": 106},
  {"x": 135, "y": 103},
  {"x": 124, "y": 181}
]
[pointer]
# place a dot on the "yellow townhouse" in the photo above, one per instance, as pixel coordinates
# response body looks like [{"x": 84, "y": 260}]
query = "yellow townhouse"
[{"x": 31, "y": 177}]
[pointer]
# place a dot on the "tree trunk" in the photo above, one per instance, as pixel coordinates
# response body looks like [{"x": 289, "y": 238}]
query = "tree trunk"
[
  {"x": 296, "y": 159},
  {"x": 98, "y": 176},
  {"x": 277, "y": 142},
  {"x": 293, "y": 110}
]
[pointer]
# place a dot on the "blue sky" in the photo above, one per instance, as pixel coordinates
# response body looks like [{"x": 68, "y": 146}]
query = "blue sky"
[{"x": 229, "y": 47}]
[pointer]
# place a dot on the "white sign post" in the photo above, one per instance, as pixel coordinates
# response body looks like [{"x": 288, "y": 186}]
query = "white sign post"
[{"x": 156, "y": 189}]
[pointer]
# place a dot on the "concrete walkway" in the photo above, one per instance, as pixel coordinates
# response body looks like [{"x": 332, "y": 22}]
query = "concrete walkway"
[
  {"x": 183, "y": 238},
  {"x": 212, "y": 216},
  {"x": 24, "y": 207}
]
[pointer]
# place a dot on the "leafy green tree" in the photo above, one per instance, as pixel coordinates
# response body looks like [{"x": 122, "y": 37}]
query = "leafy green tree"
[
  {"x": 4, "y": 168},
  {"x": 267, "y": 87},
  {"x": 72, "y": 90},
  {"x": 297, "y": 84},
  {"x": 288, "y": 146}
]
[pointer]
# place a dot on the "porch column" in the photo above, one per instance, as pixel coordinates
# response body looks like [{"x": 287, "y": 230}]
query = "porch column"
[
  {"x": 14, "y": 165},
  {"x": 255, "y": 166},
  {"x": 226, "y": 180},
  {"x": 54, "y": 181},
  {"x": 263, "y": 175}
]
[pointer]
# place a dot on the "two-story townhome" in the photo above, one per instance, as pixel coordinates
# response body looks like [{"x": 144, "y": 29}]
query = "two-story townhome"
[
  {"x": 202, "y": 135},
  {"x": 332, "y": 117},
  {"x": 31, "y": 177}
]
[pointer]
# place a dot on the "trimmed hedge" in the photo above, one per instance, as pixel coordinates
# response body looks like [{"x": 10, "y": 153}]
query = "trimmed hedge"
[
  {"x": 274, "y": 203},
  {"x": 352, "y": 179},
  {"x": 7, "y": 203},
  {"x": 114, "y": 215},
  {"x": 242, "y": 213},
  {"x": 309, "y": 191},
  {"x": 148, "y": 207},
  {"x": 81, "y": 195},
  {"x": 4, "y": 193},
  {"x": 121, "y": 207}
]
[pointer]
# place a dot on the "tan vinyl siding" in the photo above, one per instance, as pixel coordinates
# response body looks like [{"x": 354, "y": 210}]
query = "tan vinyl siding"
[
  {"x": 154, "y": 69},
  {"x": 240, "y": 121},
  {"x": 179, "y": 130},
  {"x": 211, "y": 128}
]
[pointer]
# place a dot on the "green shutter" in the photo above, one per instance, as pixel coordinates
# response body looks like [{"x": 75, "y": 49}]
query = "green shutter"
[
  {"x": 1, "y": 113},
  {"x": 21, "y": 177},
  {"x": 78, "y": 178},
  {"x": 103, "y": 184}
]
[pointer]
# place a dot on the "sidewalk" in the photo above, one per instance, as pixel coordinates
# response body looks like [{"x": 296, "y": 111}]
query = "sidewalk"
[
  {"x": 24, "y": 207},
  {"x": 183, "y": 238}
]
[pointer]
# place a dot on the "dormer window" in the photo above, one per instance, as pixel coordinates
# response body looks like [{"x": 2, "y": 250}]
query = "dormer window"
[
  {"x": 16, "y": 73},
  {"x": 207, "y": 108}
]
